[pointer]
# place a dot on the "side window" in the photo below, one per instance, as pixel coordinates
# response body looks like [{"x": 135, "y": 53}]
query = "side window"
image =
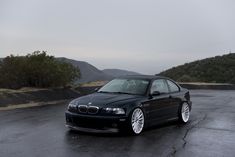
[
  {"x": 173, "y": 87},
  {"x": 160, "y": 86}
]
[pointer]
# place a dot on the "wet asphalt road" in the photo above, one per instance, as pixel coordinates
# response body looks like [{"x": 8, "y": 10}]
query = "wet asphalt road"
[{"x": 40, "y": 132}]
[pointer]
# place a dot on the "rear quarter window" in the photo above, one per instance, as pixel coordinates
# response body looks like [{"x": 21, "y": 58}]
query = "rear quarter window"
[
  {"x": 160, "y": 86},
  {"x": 173, "y": 87}
]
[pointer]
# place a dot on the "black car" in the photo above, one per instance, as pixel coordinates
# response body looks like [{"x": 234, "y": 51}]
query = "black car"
[{"x": 130, "y": 103}]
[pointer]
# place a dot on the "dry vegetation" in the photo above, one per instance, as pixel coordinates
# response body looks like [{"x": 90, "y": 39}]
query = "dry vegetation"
[{"x": 94, "y": 84}]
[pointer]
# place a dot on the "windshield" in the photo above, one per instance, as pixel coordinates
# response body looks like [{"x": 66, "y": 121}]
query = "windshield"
[{"x": 126, "y": 86}]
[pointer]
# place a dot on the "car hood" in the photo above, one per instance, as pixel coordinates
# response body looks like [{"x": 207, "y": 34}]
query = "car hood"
[{"x": 105, "y": 99}]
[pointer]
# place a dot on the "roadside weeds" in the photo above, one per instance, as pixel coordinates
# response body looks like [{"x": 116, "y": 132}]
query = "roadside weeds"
[{"x": 31, "y": 104}]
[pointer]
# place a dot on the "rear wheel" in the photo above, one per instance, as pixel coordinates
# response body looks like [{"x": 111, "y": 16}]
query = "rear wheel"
[
  {"x": 136, "y": 121},
  {"x": 184, "y": 113}
]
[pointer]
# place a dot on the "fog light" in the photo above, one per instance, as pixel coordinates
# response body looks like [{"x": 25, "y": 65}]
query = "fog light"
[{"x": 122, "y": 120}]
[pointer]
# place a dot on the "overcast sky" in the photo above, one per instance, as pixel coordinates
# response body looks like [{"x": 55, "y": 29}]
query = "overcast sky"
[{"x": 146, "y": 36}]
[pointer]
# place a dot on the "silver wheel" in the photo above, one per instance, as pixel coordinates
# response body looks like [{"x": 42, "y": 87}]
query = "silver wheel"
[
  {"x": 185, "y": 112},
  {"x": 137, "y": 121}
]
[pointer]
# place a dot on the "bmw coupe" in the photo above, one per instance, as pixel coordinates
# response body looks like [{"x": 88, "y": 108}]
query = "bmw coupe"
[{"x": 130, "y": 103}]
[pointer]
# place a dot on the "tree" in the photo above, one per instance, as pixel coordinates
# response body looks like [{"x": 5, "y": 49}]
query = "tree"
[
  {"x": 36, "y": 70},
  {"x": 220, "y": 69},
  {"x": 185, "y": 78}
]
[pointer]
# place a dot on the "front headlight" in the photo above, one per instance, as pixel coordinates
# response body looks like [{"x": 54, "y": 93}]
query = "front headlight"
[
  {"x": 115, "y": 110},
  {"x": 72, "y": 105}
]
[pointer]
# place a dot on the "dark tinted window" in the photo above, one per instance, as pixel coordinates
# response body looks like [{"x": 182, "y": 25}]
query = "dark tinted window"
[
  {"x": 173, "y": 87},
  {"x": 160, "y": 86}
]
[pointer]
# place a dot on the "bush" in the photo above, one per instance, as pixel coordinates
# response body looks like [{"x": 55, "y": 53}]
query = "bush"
[
  {"x": 36, "y": 70},
  {"x": 185, "y": 78},
  {"x": 220, "y": 69}
]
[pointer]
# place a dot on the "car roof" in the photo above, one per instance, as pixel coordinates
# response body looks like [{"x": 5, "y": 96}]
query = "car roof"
[{"x": 146, "y": 77}]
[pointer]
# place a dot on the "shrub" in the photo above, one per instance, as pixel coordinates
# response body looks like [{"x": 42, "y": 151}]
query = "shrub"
[
  {"x": 36, "y": 70},
  {"x": 220, "y": 69},
  {"x": 185, "y": 78}
]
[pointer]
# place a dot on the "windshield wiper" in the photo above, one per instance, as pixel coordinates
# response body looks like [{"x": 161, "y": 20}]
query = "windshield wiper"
[
  {"x": 102, "y": 92},
  {"x": 113, "y": 92},
  {"x": 117, "y": 92},
  {"x": 122, "y": 93}
]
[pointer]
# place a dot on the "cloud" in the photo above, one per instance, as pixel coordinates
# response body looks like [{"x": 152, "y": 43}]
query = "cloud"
[{"x": 144, "y": 35}]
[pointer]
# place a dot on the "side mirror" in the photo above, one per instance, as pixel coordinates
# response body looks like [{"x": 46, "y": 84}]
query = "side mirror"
[{"x": 155, "y": 93}]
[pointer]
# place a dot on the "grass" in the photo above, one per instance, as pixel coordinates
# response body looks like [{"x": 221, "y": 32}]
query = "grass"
[
  {"x": 94, "y": 84},
  {"x": 32, "y": 104},
  {"x": 21, "y": 90}
]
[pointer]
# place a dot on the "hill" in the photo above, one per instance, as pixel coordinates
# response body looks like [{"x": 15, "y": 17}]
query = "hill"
[
  {"x": 88, "y": 72},
  {"x": 218, "y": 69},
  {"x": 119, "y": 72}
]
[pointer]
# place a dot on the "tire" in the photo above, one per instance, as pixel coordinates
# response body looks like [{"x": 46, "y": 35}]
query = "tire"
[
  {"x": 136, "y": 121},
  {"x": 184, "y": 113}
]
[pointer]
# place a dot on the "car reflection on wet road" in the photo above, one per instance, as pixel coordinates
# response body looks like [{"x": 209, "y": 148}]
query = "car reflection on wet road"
[{"x": 40, "y": 131}]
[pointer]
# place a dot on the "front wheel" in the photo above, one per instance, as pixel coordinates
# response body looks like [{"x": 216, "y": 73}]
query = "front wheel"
[
  {"x": 136, "y": 121},
  {"x": 184, "y": 113}
]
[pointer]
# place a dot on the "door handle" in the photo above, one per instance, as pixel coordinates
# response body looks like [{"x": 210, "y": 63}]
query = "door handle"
[{"x": 170, "y": 96}]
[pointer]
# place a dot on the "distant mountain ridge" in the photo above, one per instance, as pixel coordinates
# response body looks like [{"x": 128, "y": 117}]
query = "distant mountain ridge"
[
  {"x": 218, "y": 69},
  {"x": 90, "y": 73},
  {"x": 119, "y": 72}
]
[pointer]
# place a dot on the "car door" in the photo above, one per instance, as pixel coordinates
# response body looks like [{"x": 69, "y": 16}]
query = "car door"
[
  {"x": 159, "y": 106},
  {"x": 175, "y": 98}
]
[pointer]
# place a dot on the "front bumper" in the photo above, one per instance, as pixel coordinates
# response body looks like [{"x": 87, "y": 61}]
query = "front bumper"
[
  {"x": 92, "y": 130},
  {"x": 95, "y": 123}
]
